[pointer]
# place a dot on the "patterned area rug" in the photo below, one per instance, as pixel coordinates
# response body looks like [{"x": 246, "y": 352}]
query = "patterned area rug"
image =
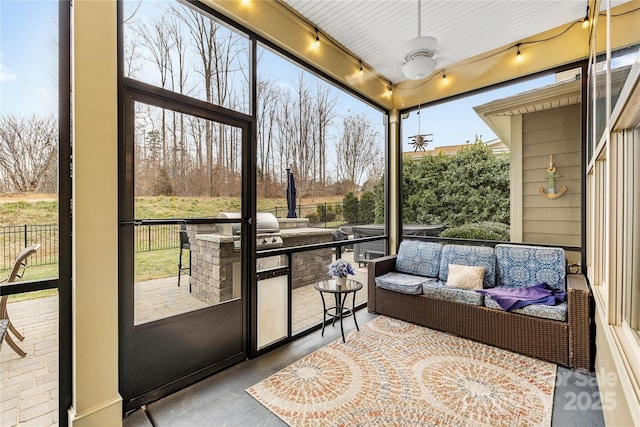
[{"x": 393, "y": 373}]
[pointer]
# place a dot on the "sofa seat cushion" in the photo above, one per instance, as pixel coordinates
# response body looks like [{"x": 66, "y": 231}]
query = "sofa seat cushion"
[
  {"x": 477, "y": 256},
  {"x": 523, "y": 266},
  {"x": 419, "y": 258},
  {"x": 402, "y": 282},
  {"x": 439, "y": 290},
  {"x": 553, "y": 312}
]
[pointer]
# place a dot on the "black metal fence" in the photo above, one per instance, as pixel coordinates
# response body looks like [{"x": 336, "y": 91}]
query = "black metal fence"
[
  {"x": 155, "y": 237},
  {"x": 14, "y": 238}
]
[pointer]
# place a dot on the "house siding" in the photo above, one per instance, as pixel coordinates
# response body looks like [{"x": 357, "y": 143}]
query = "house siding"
[{"x": 551, "y": 132}]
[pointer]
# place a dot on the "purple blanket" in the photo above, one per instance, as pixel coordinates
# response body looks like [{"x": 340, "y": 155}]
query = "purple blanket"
[{"x": 512, "y": 298}]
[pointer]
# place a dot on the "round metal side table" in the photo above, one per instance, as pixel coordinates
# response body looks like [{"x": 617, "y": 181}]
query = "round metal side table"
[{"x": 340, "y": 293}]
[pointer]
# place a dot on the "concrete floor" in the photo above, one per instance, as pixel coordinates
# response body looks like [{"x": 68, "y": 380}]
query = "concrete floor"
[{"x": 221, "y": 400}]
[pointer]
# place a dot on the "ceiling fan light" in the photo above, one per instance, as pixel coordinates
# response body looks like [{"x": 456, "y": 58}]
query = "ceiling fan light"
[
  {"x": 420, "y": 44},
  {"x": 418, "y": 67}
]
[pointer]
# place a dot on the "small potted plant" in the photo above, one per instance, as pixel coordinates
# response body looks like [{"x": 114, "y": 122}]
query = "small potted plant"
[{"x": 339, "y": 270}]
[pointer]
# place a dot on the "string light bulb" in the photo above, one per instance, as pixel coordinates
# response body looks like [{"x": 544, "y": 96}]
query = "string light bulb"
[
  {"x": 518, "y": 54},
  {"x": 317, "y": 38},
  {"x": 585, "y": 21}
]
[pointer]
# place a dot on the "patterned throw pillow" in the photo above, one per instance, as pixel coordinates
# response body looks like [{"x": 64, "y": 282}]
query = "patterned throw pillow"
[{"x": 465, "y": 276}]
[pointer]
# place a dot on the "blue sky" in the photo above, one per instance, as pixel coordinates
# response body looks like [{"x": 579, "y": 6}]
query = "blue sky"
[
  {"x": 456, "y": 122},
  {"x": 28, "y": 57}
]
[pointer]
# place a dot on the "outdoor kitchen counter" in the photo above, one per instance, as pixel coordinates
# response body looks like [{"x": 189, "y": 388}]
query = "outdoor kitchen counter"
[
  {"x": 324, "y": 234},
  {"x": 215, "y": 237},
  {"x": 215, "y": 268},
  {"x": 308, "y": 267},
  {"x": 294, "y": 233}
]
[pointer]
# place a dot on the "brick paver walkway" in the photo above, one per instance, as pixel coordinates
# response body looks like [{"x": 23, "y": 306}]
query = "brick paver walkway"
[{"x": 29, "y": 386}]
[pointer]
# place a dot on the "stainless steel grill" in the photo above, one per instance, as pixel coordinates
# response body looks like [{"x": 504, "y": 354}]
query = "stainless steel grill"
[{"x": 268, "y": 234}]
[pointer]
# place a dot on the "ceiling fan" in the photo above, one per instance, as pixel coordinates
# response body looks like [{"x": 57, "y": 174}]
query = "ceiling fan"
[{"x": 418, "y": 61}]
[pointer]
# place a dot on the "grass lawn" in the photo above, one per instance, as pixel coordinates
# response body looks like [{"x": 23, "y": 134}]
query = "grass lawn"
[
  {"x": 158, "y": 264},
  {"x": 36, "y": 209}
]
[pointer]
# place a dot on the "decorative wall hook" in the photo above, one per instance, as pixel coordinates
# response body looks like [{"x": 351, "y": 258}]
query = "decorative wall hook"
[{"x": 551, "y": 171}]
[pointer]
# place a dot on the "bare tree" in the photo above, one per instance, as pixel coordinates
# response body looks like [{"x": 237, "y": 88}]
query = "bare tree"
[
  {"x": 158, "y": 43},
  {"x": 179, "y": 79},
  {"x": 326, "y": 101},
  {"x": 197, "y": 56},
  {"x": 132, "y": 56},
  {"x": 268, "y": 99},
  {"x": 202, "y": 32},
  {"x": 357, "y": 150},
  {"x": 303, "y": 117},
  {"x": 217, "y": 54},
  {"x": 27, "y": 150}
]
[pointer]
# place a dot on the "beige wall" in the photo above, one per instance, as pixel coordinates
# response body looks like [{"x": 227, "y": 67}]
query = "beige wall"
[
  {"x": 551, "y": 132},
  {"x": 95, "y": 399},
  {"x": 616, "y": 392}
]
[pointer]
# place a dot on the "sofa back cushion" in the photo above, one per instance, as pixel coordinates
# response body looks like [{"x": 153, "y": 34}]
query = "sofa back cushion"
[
  {"x": 419, "y": 258},
  {"x": 522, "y": 266},
  {"x": 480, "y": 256}
]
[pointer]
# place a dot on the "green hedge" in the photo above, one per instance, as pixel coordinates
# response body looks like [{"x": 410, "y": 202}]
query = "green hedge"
[{"x": 485, "y": 230}]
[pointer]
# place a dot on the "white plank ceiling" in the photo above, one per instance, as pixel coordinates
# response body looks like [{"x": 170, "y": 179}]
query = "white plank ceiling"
[{"x": 376, "y": 31}]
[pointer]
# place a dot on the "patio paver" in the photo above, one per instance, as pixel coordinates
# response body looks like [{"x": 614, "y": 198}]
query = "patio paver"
[{"x": 30, "y": 385}]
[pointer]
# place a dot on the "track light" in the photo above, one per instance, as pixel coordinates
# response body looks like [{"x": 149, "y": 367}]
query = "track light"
[
  {"x": 585, "y": 21},
  {"x": 317, "y": 38}
]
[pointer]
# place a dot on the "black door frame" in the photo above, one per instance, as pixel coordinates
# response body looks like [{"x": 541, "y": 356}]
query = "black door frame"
[{"x": 133, "y": 91}]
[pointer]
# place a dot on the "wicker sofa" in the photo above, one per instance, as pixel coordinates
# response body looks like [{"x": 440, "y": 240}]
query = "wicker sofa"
[{"x": 412, "y": 286}]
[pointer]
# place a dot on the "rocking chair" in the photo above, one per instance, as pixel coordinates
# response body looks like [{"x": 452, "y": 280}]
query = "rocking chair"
[{"x": 17, "y": 272}]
